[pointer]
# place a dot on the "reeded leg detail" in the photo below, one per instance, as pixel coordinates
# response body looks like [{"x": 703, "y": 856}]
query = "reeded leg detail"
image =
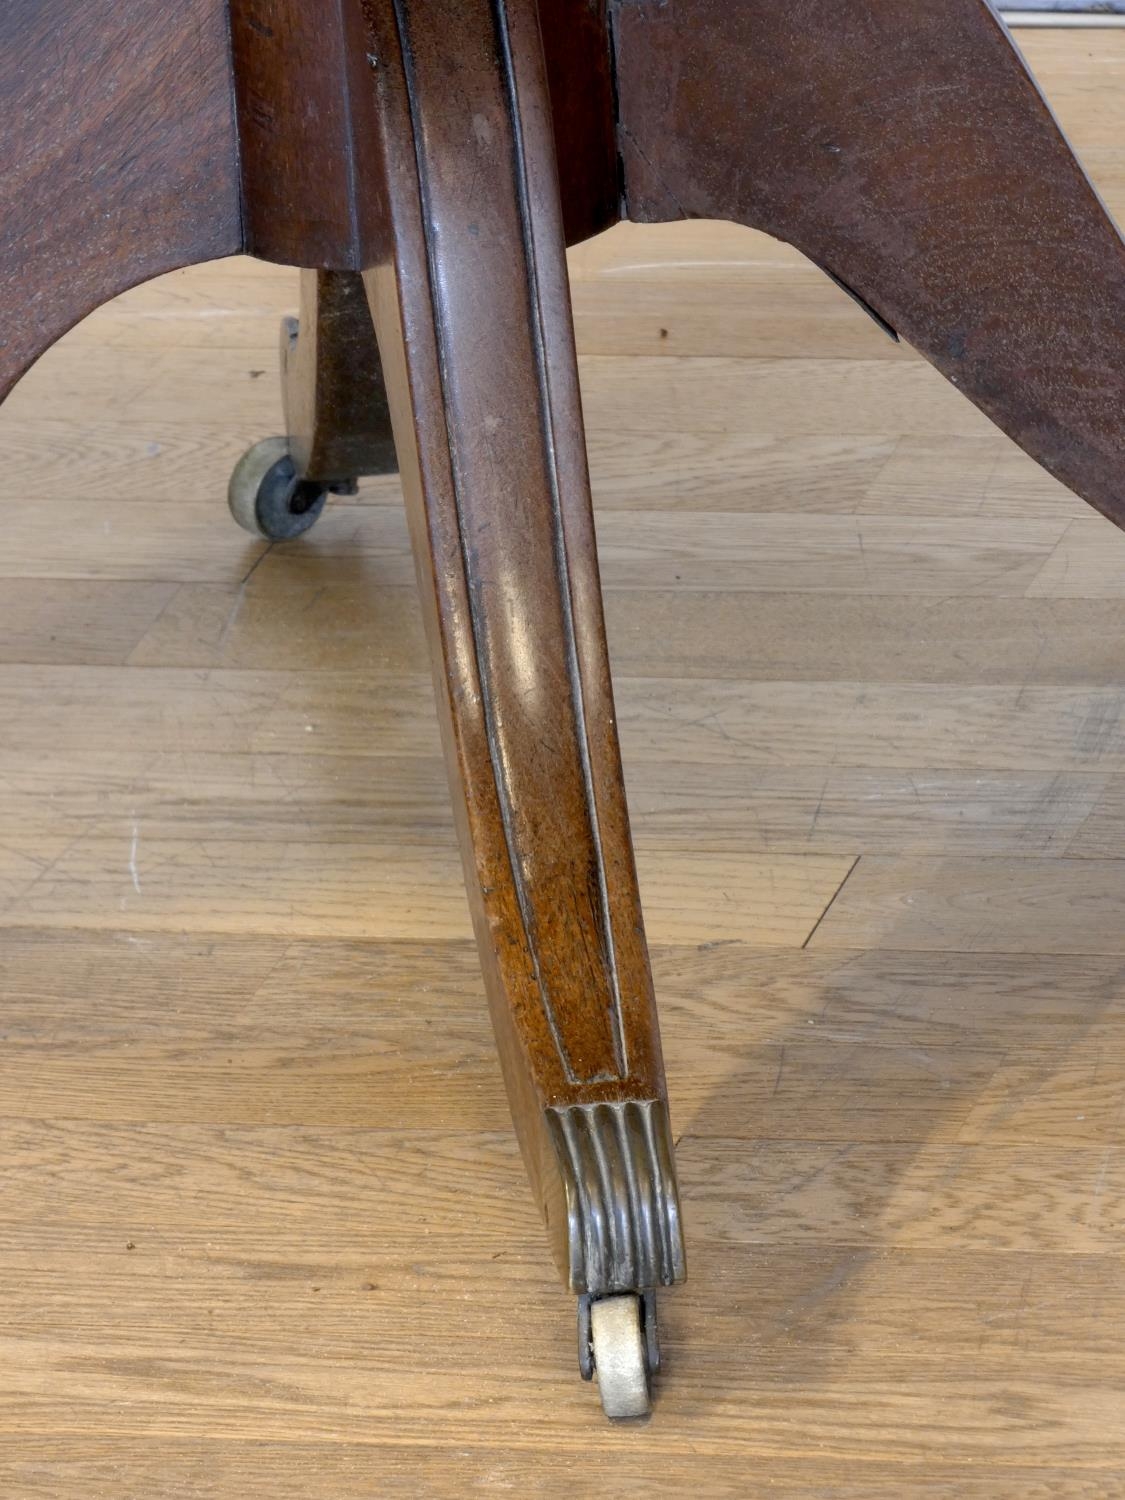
[{"x": 473, "y": 318}]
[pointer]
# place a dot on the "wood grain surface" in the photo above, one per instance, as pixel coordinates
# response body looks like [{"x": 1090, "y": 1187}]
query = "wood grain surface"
[
  {"x": 908, "y": 151},
  {"x": 120, "y": 156},
  {"x": 264, "y": 1228}
]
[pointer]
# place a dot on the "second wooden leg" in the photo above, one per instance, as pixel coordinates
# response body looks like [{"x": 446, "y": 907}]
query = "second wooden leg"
[
  {"x": 336, "y": 416},
  {"x": 338, "y": 425}
]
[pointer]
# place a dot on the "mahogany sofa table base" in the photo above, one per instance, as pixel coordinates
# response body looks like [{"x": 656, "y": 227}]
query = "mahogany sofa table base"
[{"x": 426, "y": 162}]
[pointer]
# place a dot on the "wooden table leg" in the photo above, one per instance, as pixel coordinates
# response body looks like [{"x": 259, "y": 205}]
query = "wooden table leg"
[
  {"x": 337, "y": 422},
  {"x": 473, "y": 318},
  {"x": 905, "y": 148}
]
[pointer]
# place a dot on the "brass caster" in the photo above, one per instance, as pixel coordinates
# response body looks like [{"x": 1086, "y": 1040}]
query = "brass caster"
[{"x": 617, "y": 1344}]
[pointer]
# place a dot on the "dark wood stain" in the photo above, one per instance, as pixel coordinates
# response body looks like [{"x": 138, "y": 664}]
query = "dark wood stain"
[
  {"x": 121, "y": 157},
  {"x": 905, "y": 148}
]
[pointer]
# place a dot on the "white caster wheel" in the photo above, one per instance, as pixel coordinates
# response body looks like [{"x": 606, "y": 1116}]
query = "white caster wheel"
[
  {"x": 617, "y": 1345},
  {"x": 266, "y": 496}
]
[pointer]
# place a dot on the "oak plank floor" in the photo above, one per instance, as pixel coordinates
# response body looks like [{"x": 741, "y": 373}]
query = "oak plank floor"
[{"x": 263, "y": 1226}]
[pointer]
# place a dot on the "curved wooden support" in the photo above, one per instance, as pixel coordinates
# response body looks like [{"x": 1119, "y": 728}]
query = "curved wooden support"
[
  {"x": 904, "y": 147},
  {"x": 473, "y": 317},
  {"x": 121, "y": 157}
]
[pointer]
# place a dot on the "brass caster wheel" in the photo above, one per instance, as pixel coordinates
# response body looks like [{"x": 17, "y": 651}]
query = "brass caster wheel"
[
  {"x": 268, "y": 498},
  {"x": 617, "y": 1345}
]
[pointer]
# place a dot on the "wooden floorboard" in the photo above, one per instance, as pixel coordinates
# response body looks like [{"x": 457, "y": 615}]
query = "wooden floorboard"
[{"x": 264, "y": 1228}]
